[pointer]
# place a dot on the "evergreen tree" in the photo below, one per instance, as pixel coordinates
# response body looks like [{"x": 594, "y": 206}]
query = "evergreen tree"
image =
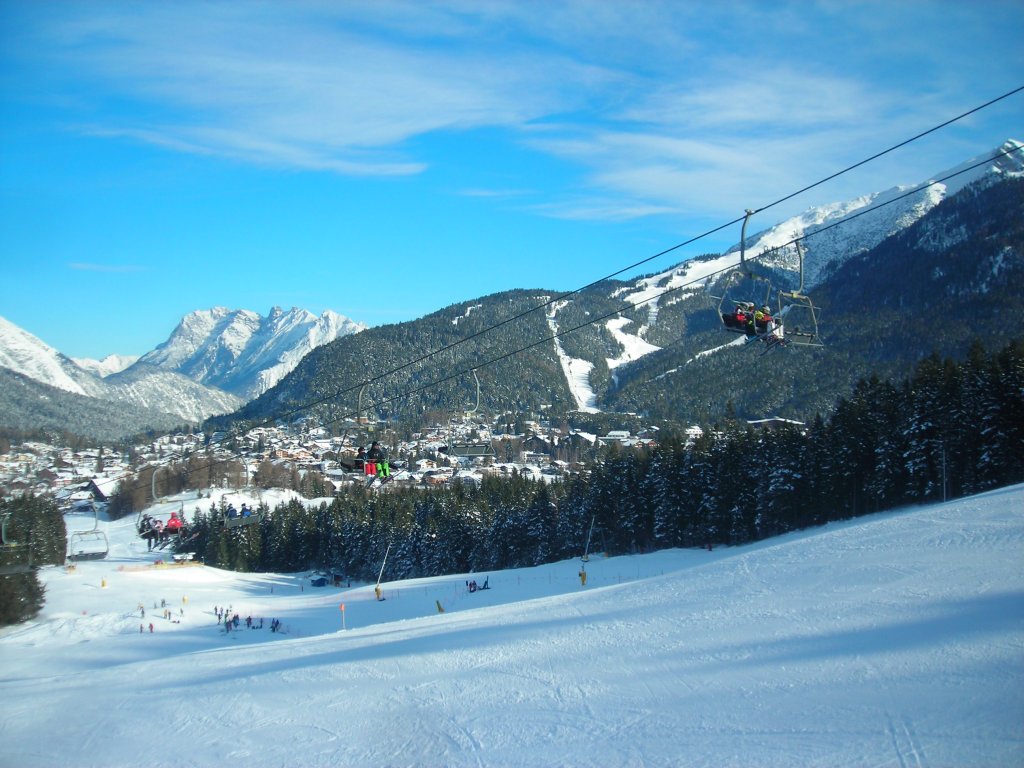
[
  {"x": 779, "y": 505},
  {"x": 21, "y": 597},
  {"x": 665, "y": 486},
  {"x": 882, "y": 446},
  {"x": 1002, "y": 419},
  {"x": 34, "y": 535},
  {"x": 924, "y": 432},
  {"x": 541, "y": 524}
]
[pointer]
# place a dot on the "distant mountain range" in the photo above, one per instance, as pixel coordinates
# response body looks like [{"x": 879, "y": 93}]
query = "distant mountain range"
[
  {"x": 243, "y": 353},
  {"x": 213, "y": 362},
  {"x": 108, "y": 365},
  {"x": 896, "y": 275}
]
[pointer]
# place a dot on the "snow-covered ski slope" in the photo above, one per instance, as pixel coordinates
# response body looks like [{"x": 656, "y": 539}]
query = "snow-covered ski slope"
[{"x": 895, "y": 640}]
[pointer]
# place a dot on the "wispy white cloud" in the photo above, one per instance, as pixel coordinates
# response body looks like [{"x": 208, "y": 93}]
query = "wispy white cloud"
[
  {"x": 286, "y": 89},
  {"x": 607, "y": 209},
  {"x": 723, "y": 142},
  {"x": 774, "y": 99},
  {"x": 654, "y": 107},
  {"x": 494, "y": 193}
]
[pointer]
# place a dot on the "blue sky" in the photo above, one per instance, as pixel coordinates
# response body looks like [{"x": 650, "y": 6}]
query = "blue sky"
[{"x": 386, "y": 159}]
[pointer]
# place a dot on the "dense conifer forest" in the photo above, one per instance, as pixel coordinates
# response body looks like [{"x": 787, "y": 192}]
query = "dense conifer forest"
[
  {"x": 34, "y": 533},
  {"x": 949, "y": 430}
]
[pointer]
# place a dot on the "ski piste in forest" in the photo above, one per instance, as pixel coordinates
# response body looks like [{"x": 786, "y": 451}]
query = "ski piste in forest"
[{"x": 895, "y": 639}]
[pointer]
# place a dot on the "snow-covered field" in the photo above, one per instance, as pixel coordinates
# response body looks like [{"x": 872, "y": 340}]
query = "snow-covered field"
[{"x": 895, "y": 640}]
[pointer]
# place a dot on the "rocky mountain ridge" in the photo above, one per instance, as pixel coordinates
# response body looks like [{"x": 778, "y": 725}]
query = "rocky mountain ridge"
[
  {"x": 213, "y": 362},
  {"x": 243, "y": 353}
]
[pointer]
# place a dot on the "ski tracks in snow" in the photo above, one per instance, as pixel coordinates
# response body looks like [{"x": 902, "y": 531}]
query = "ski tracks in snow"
[{"x": 905, "y": 743}]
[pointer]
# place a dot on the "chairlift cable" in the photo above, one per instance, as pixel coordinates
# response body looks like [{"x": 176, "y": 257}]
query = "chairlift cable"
[
  {"x": 690, "y": 241},
  {"x": 633, "y": 305},
  {"x": 893, "y": 148},
  {"x": 653, "y": 257}
]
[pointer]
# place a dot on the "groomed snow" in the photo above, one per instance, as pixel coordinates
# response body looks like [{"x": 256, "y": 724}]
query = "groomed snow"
[
  {"x": 577, "y": 372},
  {"x": 894, "y": 640},
  {"x": 633, "y": 346}
]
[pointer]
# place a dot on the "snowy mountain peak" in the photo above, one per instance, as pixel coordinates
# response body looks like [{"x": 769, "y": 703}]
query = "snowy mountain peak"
[
  {"x": 214, "y": 361},
  {"x": 159, "y": 390},
  {"x": 243, "y": 353},
  {"x": 826, "y": 245},
  {"x": 1004, "y": 162},
  {"x": 24, "y": 353},
  {"x": 109, "y": 365}
]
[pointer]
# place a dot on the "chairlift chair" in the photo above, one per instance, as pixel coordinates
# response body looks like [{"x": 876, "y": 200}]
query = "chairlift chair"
[
  {"x": 240, "y": 520},
  {"x": 89, "y": 545},
  {"x": 146, "y": 531},
  {"x": 144, "y": 523},
  {"x": 741, "y": 289},
  {"x": 798, "y": 313},
  {"x": 468, "y": 449}
]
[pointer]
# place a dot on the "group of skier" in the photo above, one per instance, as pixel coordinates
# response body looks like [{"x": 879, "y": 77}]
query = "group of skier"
[
  {"x": 157, "y": 533},
  {"x": 749, "y": 318},
  {"x": 755, "y": 322},
  {"x": 167, "y": 614},
  {"x": 232, "y": 620},
  {"x": 374, "y": 461},
  {"x": 246, "y": 511}
]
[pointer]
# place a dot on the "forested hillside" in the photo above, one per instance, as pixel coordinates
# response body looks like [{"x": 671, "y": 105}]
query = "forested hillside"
[
  {"x": 952, "y": 278},
  {"x": 948, "y": 430},
  {"x": 949, "y": 279},
  {"x": 31, "y": 405},
  {"x": 332, "y": 375}
]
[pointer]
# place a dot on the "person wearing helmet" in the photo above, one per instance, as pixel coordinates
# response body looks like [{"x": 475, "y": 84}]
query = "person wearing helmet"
[
  {"x": 736, "y": 320},
  {"x": 762, "y": 319}
]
